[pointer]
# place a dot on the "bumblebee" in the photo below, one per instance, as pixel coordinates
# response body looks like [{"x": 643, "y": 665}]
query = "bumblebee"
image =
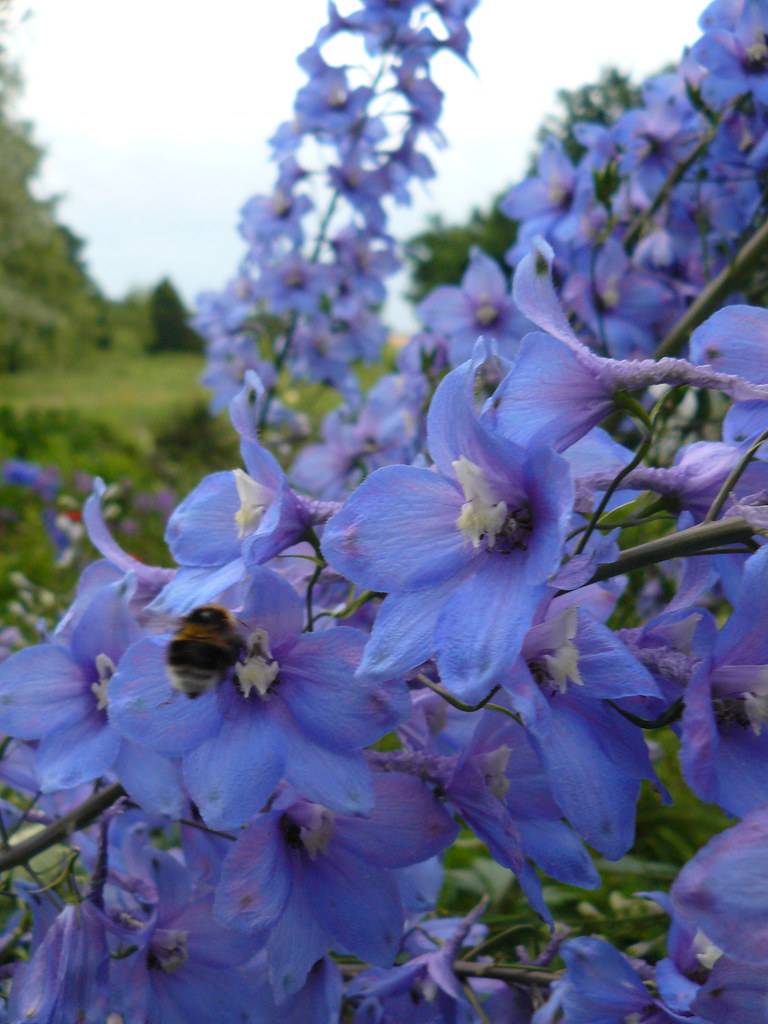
[{"x": 206, "y": 646}]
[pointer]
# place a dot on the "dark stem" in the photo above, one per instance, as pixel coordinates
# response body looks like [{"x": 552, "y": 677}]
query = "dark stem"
[
  {"x": 517, "y": 975},
  {"x": 454, "y": 701},
  {"x": 62, "y": 828}
]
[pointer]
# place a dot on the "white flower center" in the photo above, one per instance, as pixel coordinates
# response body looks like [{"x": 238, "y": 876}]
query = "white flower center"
[
  {"x": 316, "y": 836},
  {"x": 254, "y": 501},
  {"x": 495, "y": 771},
  {"x": 756, "y": 707},
  {"x": 562, "y": 665},
  {"x": 707, "y": 953},
  {"x": 486, "y": 312},
  {"x": 259, "y": 670},
  {"x": 482, "y": 515},
  {"x": 169, "y": 949},
  {"x": 106, "y": 669}
]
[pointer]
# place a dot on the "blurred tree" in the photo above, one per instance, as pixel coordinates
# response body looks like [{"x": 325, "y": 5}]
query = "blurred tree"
[
  {"x": 439, "y": 254},
  {"x": 48, "y": 304},
  {"x": 170, "y": 330}
]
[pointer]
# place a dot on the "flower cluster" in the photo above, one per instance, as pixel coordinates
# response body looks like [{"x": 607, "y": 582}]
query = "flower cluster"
[
  {"x": 308, "y": 291},
  {"x": 450, "y": 625}
]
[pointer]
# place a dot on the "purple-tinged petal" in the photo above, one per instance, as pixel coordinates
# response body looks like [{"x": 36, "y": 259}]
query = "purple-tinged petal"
[
  {"x": 368, "y": 926},
  {"x": 255, "y": 877},
  {"x": 549, "y": 396},
  {"x": 272, "y": 604},
  {"x": 535, "y": 296},
  {"x": 261, "y": 464},
  {"x": 403, "y": 632},
  {"x": 197, "y": 992},
  {"x": 283, "y": 524},
  {"x": 191, "y": 587},
  {"x": 744, "y": 640},
  {"x": 78, "y": 753},
  {"x": 232, "y": 775},
  {"x": 734, "y": 340},
  {"x": 202, "y": 530},
  {"x": 734, "y": 992},
  {"x": 606, "y": 667},
  {"x": 144, "y": 708},
  {"x": 332, "y": 705},
  {"x": 550, "y": 492},
  {"x": 677, "y": 991},
  {"x": 297, "y": 940},
  {"x": 42, "y": 689},
  {"x": 408, "y": 824},
  {"x": 245, "y": 407},
  {"x": 365, "y": 540},
  {"x": 744, "y": 421},
  {"x": 66, "y": 979},
  {"x": 699, "y": 750},
  {"x": 559, "y": 852},
  {"x": 740, "y": 765},
  {"x": 604, "y": 986},
  {"x": 482, "y": 626},
  {"x": 454, "y": 428},
  {"x": 150, "y": 779},
  {"x": 595, "y": 761},
  {"x": 107, "y": 625},
  {"x": 723, "y": 890},
  {"x": 340, "y": 780},
  {"x": 103, "y": 541}
]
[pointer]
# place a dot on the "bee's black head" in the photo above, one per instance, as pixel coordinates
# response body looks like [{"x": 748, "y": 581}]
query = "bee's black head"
[{"x": 208, "y": 615}]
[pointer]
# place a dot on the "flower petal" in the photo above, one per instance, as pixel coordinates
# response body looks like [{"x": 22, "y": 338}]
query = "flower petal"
[
  {"x": 144, "y": 708},
  {"x": 398, "y": 531},
  {"x": 331, "y": 704},
  {"x": 42, "y": 689},
  {"x": 232, "y": 775}
]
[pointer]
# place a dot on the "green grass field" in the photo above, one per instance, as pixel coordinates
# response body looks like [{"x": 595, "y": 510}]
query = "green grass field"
[{"x": 131, "y": 394}]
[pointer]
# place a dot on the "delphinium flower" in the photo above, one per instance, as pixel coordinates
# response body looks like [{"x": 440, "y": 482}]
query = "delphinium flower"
[
  {"x": 299, "y": 247},
  {"x": 734, "y": 52},
  {"x": 425, "y": 989},
  {"x": 291, "y": 709},
  {"x": 625, "y": 215},
  {"x": 725, "y": 744},
  {"x": 67, "y": 977},
  {"x": 358, "y": 438},
  {"x": 172, "y": 961},
  {"x": 232, "y": 520},
  {"x": 484, "y": 534},
  {"x": 481, "y": 305},
  {"x": 57, "y": 692},
  {"x": 318, "y": 880}
]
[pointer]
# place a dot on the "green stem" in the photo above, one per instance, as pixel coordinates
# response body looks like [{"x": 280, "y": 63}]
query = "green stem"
[
  {"x": 638, "y": 457},
  {"x": 516, "y": 973},
  {"x": 733, "y": 477},
  {"x": 710, "y": 298},
  {"x": 694, "y": 540},
  {"x": 454, "y": 701},
  {"x": 635, "y": 230},
  {"x": 673, "y": 712}
]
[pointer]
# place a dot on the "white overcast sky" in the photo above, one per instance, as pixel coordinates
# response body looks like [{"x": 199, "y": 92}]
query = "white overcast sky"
[{"x": 155, "y": 113}]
